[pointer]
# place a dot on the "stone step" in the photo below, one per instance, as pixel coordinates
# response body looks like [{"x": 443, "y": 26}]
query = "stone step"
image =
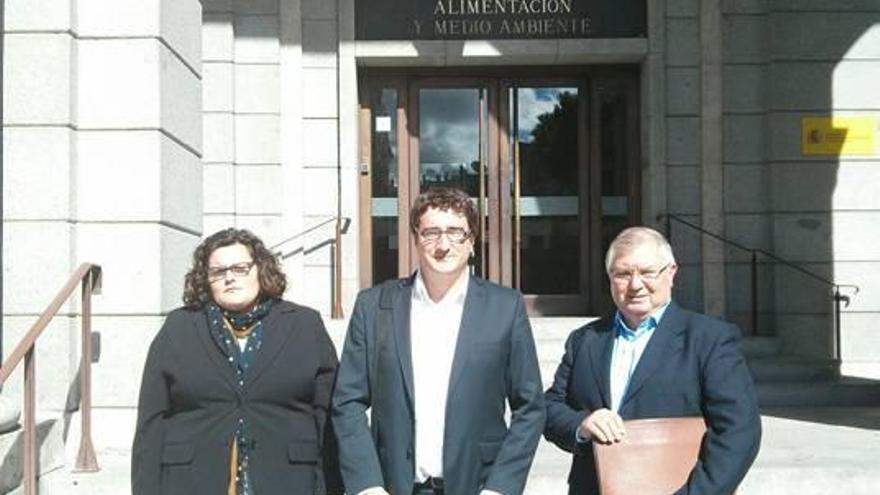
[
  {"x": 782, "y": 368},
  {"x": 846, "y": 391},
  {"x": 758, "y": 347}
]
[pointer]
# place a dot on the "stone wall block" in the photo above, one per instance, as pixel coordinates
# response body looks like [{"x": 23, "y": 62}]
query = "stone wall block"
[
  {"x": 28, "y": 15},
  {"x": 181, "y": 182},
  {"x": 843, "y": 36},
  {"x": 213, "y": 222},
  {"x": 803, "y": 186},
  {"x": 256, "y": 39},
  {"x": 107, "y": 97},
  {"x": 149, "y": 283},
  {"x": 682, "y": 8},
  {"x": 744, "y": 39},
  {"x": 270, "y": 228},
  {"x": 56, "y": 358},
  {"x": 218, "y": 37},
  {"x": 257, "y": 139},
  {"x": 319, "y": 93},
  {"x": 257, "y": 88},
  {"x": 683, "y": 91},
  {"x": 319, "y": 43},
  {"x": 683, "y": 140},
  {"x": 803, "y": 237},
  {"x": 318, "y": 9},
  {"x": 683, "y": 183},
  {"x": 219, "y": 189},
  {"x": 118, "y": 176},
  {"x": 36, "y": 164},
  {"x": 37, "y": 261},
  {"x": 125, "y": 341},
  {"x": 219, "y": 137},
  {"x": 682, "y": 42},
  {"x": 864, "y": 275},
  {"x": 258, "y": 189},
  {"x": 322, "y": 138},
  {"x": 744, "y": 88},
  {"x": 744, "y": 138},
  {"x": 37, "y": 83},
  {"x": 746, "y": 189},
  {"x": 255, "y": 6},
  {"x": 217, "y": 87}
]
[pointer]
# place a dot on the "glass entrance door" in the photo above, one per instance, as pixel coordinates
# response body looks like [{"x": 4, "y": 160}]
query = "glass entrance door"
[{"x": 551, "y": 163}]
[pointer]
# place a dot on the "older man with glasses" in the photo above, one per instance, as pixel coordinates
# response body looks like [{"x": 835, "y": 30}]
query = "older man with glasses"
[
  {"x": 653, "y": 359},
  {"x": 435, "y": 357}
]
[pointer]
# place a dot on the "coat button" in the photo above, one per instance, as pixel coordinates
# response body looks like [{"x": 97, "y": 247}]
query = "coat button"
[{"x": 409, "y": 453}]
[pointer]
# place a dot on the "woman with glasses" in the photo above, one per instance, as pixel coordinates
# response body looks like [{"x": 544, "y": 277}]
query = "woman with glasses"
[{"x": 236, "y": 388}]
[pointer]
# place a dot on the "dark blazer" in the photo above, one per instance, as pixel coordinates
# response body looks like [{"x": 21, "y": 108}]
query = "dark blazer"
[
  {"x": 190, "y": 405},
  {"x": 691, "y": 367},
  {"x": 494, "y": 363}
]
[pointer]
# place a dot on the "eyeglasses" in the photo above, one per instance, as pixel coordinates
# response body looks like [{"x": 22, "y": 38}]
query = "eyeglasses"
[
  {"x": 238, "y": 270},
  {"x": 455, "y": 234},
  {"x": 646, "y": 275}
]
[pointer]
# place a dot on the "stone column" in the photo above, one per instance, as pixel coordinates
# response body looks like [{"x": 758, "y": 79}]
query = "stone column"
[{"x": 711, "y": 156}]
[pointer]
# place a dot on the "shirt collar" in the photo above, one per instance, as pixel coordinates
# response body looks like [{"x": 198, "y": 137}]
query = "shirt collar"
[
  {"x": 647, "y": 326},
  {"x": 456, "y": 294}
]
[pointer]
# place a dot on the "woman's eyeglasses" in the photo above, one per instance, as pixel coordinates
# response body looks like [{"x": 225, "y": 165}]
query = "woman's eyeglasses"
[{"x": 238, "y": 270}]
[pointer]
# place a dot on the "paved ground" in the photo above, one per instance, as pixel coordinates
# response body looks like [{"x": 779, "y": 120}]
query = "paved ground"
[{"x": 804, "y": 452}]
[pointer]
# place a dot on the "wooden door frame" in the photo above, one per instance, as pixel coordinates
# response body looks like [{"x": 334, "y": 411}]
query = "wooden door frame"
[{"x": 499, "y": 233}]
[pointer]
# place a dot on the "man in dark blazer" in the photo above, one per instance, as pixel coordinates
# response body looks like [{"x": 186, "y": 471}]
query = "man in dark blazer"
[
  {"x": 436, "y": 357},
  {"x": 653, "y": 359}
]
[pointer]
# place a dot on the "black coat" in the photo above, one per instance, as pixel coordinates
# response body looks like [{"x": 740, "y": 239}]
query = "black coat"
[
  {"x": 190, "y": 405},
  {"x": 691, "y": 367}
]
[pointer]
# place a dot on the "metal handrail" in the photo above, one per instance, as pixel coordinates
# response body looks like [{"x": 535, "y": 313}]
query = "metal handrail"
[
  {"x": 838, "y": 298},
  {"x": 341, "y": 227},
  {"x": 89, "y": 276}
]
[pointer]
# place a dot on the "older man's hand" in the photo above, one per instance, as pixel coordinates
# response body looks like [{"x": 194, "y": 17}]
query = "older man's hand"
[{"x": 603, "y": 426}]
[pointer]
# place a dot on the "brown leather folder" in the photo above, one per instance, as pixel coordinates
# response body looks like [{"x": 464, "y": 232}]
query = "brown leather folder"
[{"x": 655, "y": 457}]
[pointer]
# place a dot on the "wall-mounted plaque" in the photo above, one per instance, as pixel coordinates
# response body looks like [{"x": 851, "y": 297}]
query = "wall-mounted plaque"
[
  {"x": 840, "y": 135},
  {"x": 498, "y": 19}
]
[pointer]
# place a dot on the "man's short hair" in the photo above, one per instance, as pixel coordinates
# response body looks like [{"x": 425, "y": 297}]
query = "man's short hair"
[
  {"x": 445, "y": 198},
  {"x": 633, "y": 237}
]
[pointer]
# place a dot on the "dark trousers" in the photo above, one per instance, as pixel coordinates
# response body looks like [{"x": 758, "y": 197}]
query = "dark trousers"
[{"x": 433, "y": 486}]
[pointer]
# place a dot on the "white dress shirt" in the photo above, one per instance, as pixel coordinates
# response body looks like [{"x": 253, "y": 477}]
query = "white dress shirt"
[{"x": 434, "y": 330}]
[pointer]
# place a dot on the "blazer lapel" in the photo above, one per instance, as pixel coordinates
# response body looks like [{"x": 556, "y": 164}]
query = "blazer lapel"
[
  {"x": 600, "y": 358},
  {"x": 275, "y": 336},
  {"x": 660, "y": 349},
  {"x": 213, "y": 352},
  {"x": 471, "y": 322},
  {"x": 401, "y": 300}
]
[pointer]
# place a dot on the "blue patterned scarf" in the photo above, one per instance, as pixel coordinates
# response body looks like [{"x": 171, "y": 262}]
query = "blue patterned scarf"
[{"x": 219, "y": 321}]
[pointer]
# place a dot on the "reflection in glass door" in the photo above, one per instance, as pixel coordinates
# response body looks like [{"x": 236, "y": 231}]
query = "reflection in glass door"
[
  {"x": 548, "y": 188},
  {"x": 451, "y": 147}
]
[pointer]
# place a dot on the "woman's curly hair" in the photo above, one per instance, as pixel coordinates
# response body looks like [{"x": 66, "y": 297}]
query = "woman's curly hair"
[{"x": 197, "y": 288}]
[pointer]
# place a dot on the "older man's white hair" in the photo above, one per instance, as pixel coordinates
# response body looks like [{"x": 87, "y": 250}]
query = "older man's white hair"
[{"x": 631, "y": 238}]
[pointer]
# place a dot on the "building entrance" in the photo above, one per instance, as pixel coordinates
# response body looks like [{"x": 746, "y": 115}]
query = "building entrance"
[{"x": 552, "y": 162}]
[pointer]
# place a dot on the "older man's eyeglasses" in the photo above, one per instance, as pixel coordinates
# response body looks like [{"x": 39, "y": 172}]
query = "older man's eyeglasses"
[
  {"x": 238, "y": 270},
  {"x": 647, "y": 275},
  {"x": 455, "y": 234}
]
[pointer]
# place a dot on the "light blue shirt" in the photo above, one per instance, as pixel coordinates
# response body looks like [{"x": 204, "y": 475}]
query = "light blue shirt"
[
  {"x": 629, "y": 345},
  {"x": 627, "y": 350}
]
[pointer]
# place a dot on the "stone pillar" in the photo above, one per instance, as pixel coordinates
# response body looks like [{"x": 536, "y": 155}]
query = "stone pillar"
[
  {"x": 711, "y": 156},
  {"x": 39, "y": 157},
  {"x": 104, "y": 107}
]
